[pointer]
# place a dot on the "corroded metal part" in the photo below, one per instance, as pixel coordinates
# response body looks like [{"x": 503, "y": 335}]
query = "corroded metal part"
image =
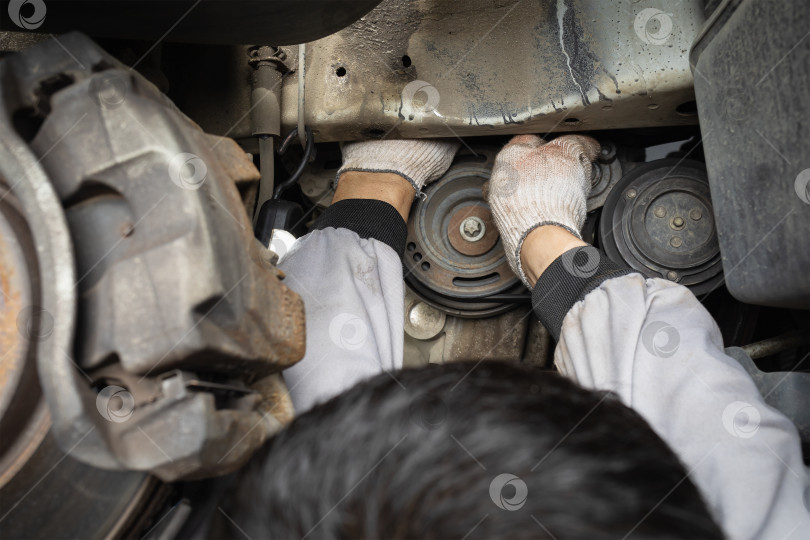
[
  {"x": 444, "y": 69},
  {"x": 447, "y": 270},
  {"x": 23, "y": 323},
  {"x": 36, "y": 476},
  {"x": 172, "y": 287},
  {"x": 472, "y": 230}
]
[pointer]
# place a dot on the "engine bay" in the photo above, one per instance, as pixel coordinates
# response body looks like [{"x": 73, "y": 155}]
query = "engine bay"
[{"x": 174, "y": 297}]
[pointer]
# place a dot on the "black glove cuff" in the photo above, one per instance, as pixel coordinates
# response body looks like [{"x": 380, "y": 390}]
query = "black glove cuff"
[
  {"x": 369, "y": 218},
  {"x": 568, "y": 280}
]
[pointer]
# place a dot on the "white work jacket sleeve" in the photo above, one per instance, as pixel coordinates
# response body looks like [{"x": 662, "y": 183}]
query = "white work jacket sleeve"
[
  {"x": 652, "y": 343},
  {"x": 349, "y": 273}
]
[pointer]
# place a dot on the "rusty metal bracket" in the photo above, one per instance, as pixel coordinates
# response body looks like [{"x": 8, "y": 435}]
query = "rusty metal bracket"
[{"x": 446, "y": 69}]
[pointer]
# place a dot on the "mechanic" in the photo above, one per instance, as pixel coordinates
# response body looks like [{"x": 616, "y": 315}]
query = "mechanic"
[{"x": 420, "y": 452}]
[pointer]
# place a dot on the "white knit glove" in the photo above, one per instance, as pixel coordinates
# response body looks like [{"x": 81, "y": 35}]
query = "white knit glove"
[
  {"x": 417, "y": 161},
  {"x": 534, "y": 184}
]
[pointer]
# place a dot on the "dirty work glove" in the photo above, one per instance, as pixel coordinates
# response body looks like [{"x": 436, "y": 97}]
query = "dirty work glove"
[
  {"x": 417, "y": 161},
  {"x": 534, "y": 184}
]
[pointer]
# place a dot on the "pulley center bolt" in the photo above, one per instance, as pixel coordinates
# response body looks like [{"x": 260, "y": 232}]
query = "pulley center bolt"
[
  {"x": 677, "y": 222},
  {"x": 472, "y": 229}
]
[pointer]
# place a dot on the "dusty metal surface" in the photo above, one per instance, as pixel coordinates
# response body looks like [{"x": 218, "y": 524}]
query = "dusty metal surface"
[
  {"x": 497, "y": 338},
  {"x": 433, "y": 337},
  {"x": 438, "y": 68},
  {"x": 173, "y": 289},
  {"x": 38, "y": 495},
  {"x": 232, "y": 158}
]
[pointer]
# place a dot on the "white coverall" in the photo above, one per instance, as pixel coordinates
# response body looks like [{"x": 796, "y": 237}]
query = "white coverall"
[{"x": 647, "y": 340}]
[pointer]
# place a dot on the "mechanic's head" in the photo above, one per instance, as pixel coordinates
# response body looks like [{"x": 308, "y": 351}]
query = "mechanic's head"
[{"x": 457, "y": 451}]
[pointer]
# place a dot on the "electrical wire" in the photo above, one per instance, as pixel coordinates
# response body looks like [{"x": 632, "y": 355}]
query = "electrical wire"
[{"x": 288, "y": 183}]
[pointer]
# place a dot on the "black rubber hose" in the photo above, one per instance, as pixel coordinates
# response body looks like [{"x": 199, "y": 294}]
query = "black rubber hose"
[{"x": 288, "y": 183}]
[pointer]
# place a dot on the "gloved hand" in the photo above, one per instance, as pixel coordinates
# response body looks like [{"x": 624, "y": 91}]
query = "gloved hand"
[
  {"x": 534, "y": 184},
  {"x": 417, "y": 161}
]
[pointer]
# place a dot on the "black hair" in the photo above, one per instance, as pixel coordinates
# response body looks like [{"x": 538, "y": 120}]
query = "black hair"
[{"x": 448, "y": 451}]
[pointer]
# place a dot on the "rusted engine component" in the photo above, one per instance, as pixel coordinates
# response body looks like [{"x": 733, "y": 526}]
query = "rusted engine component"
[
  {"x": 659, "y": 220},
  {"x": 182, "y": 322},
  {"x": 444, "y": 68},
  {"x": 453, "y": 253},
  {"x": 194, "y": 21},
  {"x": 23, "y": 420},
  {"x": 37, "y": 317}
]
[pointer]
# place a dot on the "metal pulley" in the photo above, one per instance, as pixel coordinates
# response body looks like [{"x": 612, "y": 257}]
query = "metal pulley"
[
  {"x": 454, "y": 256},
  {"x": 658, "y": 220}
]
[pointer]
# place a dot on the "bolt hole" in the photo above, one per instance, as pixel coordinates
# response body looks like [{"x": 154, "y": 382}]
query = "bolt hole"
[
  {"x": 406, "y": 61},
  {"x": 687, "y": 109},
  {"x": 411, "y": 246},
  {"x": 571, "y": 121},
  {"x": 425, "y": 266},
  {"x": 341, "y": 71},
  {"x": 417, "y": 257}
]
